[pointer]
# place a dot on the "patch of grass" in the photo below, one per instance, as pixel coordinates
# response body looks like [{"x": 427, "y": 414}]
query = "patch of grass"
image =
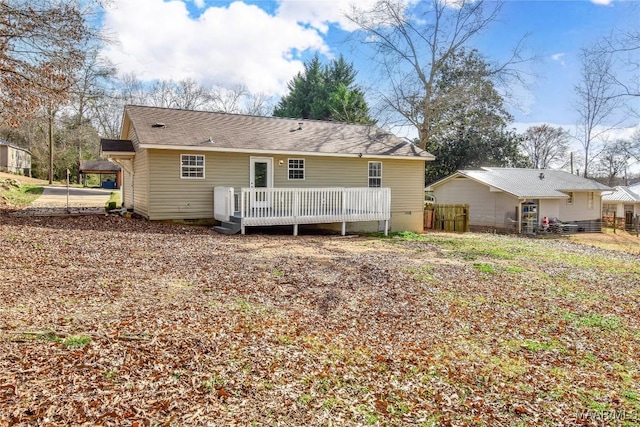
[
  {"x": 421, "y": 273},
  {"x": 214, "y": 382},
  {"x": 45, "y": 336},
  {"x": 329, "y": 403},
  {"x": 407, "y": 235},
  {"x": 631, "y": 395},
  {"x": 594, "y": 320},
  {"x": 114, "y": 201},
  {"x": 514, "y": 270},
  {"x": 23, "y": 195},
  {"x": 243, "y": 305},
  {"x": 511, "y": 368},
  {"x": 305, "y": 399},
  {"x": 370, "y": 418},
  {"x": 537, "y": 346},
  {"x": 76, "y": 341},
  {"x": 485, "y": 268},
  {"x": 277, "y": 272}
]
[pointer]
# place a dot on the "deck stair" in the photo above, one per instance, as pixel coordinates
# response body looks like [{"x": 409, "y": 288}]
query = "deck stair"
[{"x": 233, "y": 226}]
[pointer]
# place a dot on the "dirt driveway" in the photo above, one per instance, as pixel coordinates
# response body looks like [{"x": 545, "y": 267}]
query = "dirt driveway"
[{"x": 56, "y": 197}]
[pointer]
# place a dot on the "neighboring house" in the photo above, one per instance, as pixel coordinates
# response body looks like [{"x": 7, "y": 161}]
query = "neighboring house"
[
  {"x": 513, "y": 199},
  {"x": 622, "y": 203},
  {"x": 102, "y": 168},
  {"x": 15, "y": 159},
  {"x": 267, "y": 170}
]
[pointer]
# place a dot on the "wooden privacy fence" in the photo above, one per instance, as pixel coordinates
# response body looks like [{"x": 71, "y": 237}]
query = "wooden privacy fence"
[{"x": 447, "y": 218}]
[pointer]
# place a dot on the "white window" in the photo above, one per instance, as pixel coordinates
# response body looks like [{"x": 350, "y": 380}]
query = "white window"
[
  {"x": 296, "y": 169},
  {"x": 590, "y": 201},
  {"x": 570, "y": 199},
  {"x": 375, "y": 174},
  {"x": 191, "y": 166}
]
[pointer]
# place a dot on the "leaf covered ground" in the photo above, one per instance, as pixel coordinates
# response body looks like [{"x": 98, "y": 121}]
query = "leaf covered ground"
[{"x": 113, "y": 321}]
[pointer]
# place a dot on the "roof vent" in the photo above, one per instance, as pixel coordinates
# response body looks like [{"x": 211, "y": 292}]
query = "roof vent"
[
  {"x": 299, "y": 127},
  {"x": 541, "y": 176},
  {"x": 158, "y": 125}
]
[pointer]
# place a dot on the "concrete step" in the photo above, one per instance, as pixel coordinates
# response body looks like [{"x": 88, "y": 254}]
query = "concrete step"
[
  {"x": 224, "y": 230},
  {"x": 228, "y": 227}
]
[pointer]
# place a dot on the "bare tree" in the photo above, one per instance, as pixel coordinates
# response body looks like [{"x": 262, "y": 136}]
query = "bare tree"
[
  {"x": 131, "y": 90},
  {"x": 228, "y": 100},
  {"x": 624, "y": 47},
  {"x": 596, "y": 103},
  {"x": 190, "y": 95},
  {"x": 545, "y": 145},
  {"x": 258, "y": 104},
  {"x": 162, "y": 94},
  {"x": 42, "y": 44},
  {"x": 614, "y": 160},
  {"x": 412, "y": 44}
]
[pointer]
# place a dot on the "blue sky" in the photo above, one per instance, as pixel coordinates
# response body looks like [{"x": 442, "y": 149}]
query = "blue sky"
[{"x": 261, "y": 44}]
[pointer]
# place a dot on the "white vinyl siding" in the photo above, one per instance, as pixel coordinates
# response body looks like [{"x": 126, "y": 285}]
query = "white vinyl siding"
[{"x": 192, "y": 166}]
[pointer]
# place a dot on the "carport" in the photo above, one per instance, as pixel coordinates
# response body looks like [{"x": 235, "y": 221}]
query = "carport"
[{"x": 102, "y": 168}]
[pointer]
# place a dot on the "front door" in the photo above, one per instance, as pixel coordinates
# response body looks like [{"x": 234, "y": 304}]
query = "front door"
[{"x": 261, "y": 176}]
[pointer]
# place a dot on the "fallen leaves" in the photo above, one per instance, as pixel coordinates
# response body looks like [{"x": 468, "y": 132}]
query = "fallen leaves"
[{"x": 112, "y": 321}]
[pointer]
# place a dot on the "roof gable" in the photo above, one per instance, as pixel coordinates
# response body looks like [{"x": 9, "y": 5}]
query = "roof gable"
[
  {"x": 171, "y": 128},
  {"x": 622, "y": 194}
]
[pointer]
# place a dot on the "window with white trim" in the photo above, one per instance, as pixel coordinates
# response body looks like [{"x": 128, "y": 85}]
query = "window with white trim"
[
  {"x": 375, "y": 174},
  {"x": 570, "y": 199},
  {"x": 590, "y": 200},
  {"x": 296, "y": 169},
  {"x": 191, "y": 166}
]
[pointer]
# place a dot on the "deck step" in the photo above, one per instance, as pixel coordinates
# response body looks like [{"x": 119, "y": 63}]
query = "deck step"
[{"x": 228, "y": 227}]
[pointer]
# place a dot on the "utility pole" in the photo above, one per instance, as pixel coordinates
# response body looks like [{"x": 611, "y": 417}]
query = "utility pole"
[{"x": 50, "y": 123}]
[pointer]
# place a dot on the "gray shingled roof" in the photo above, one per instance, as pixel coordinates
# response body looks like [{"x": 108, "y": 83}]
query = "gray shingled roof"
[
  {"x": 622, "y": 194},
  {"x": 199, "y": 129},
  {"x": 98, "y": 165},
  {"x": 117, "y": 145},
  {"x": 527, "y": 183}
]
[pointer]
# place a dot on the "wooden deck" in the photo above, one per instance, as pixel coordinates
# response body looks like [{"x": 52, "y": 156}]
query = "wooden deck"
[{"x": 294, "y": 206}]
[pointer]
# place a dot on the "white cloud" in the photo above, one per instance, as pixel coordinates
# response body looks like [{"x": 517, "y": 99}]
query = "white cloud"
[
  {"x": 236, "y": 44},
  {"x": 559, "y": 57},
  {"x": 321, "y": 13},
  {"x": 602, "y": 2},
  {"x": 199, "y": 3}
]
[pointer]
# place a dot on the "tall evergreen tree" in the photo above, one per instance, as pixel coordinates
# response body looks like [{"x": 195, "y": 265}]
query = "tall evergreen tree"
[
  {"x": 472, "y": 130},
  {"x": 325, "y": 93}
]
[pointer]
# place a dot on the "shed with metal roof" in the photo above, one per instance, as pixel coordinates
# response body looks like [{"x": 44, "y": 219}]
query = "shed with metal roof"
[{"x": 518, "y": 199}]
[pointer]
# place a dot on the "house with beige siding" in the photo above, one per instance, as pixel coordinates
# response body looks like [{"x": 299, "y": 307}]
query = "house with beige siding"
[
  {"x": 15, "y": 159},
  {"x": 519, "y": 200},
  {"x": 248, "y": 171}
]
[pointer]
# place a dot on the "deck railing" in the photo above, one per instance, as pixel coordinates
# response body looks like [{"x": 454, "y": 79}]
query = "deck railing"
[{"x": 293, "y": 206}]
